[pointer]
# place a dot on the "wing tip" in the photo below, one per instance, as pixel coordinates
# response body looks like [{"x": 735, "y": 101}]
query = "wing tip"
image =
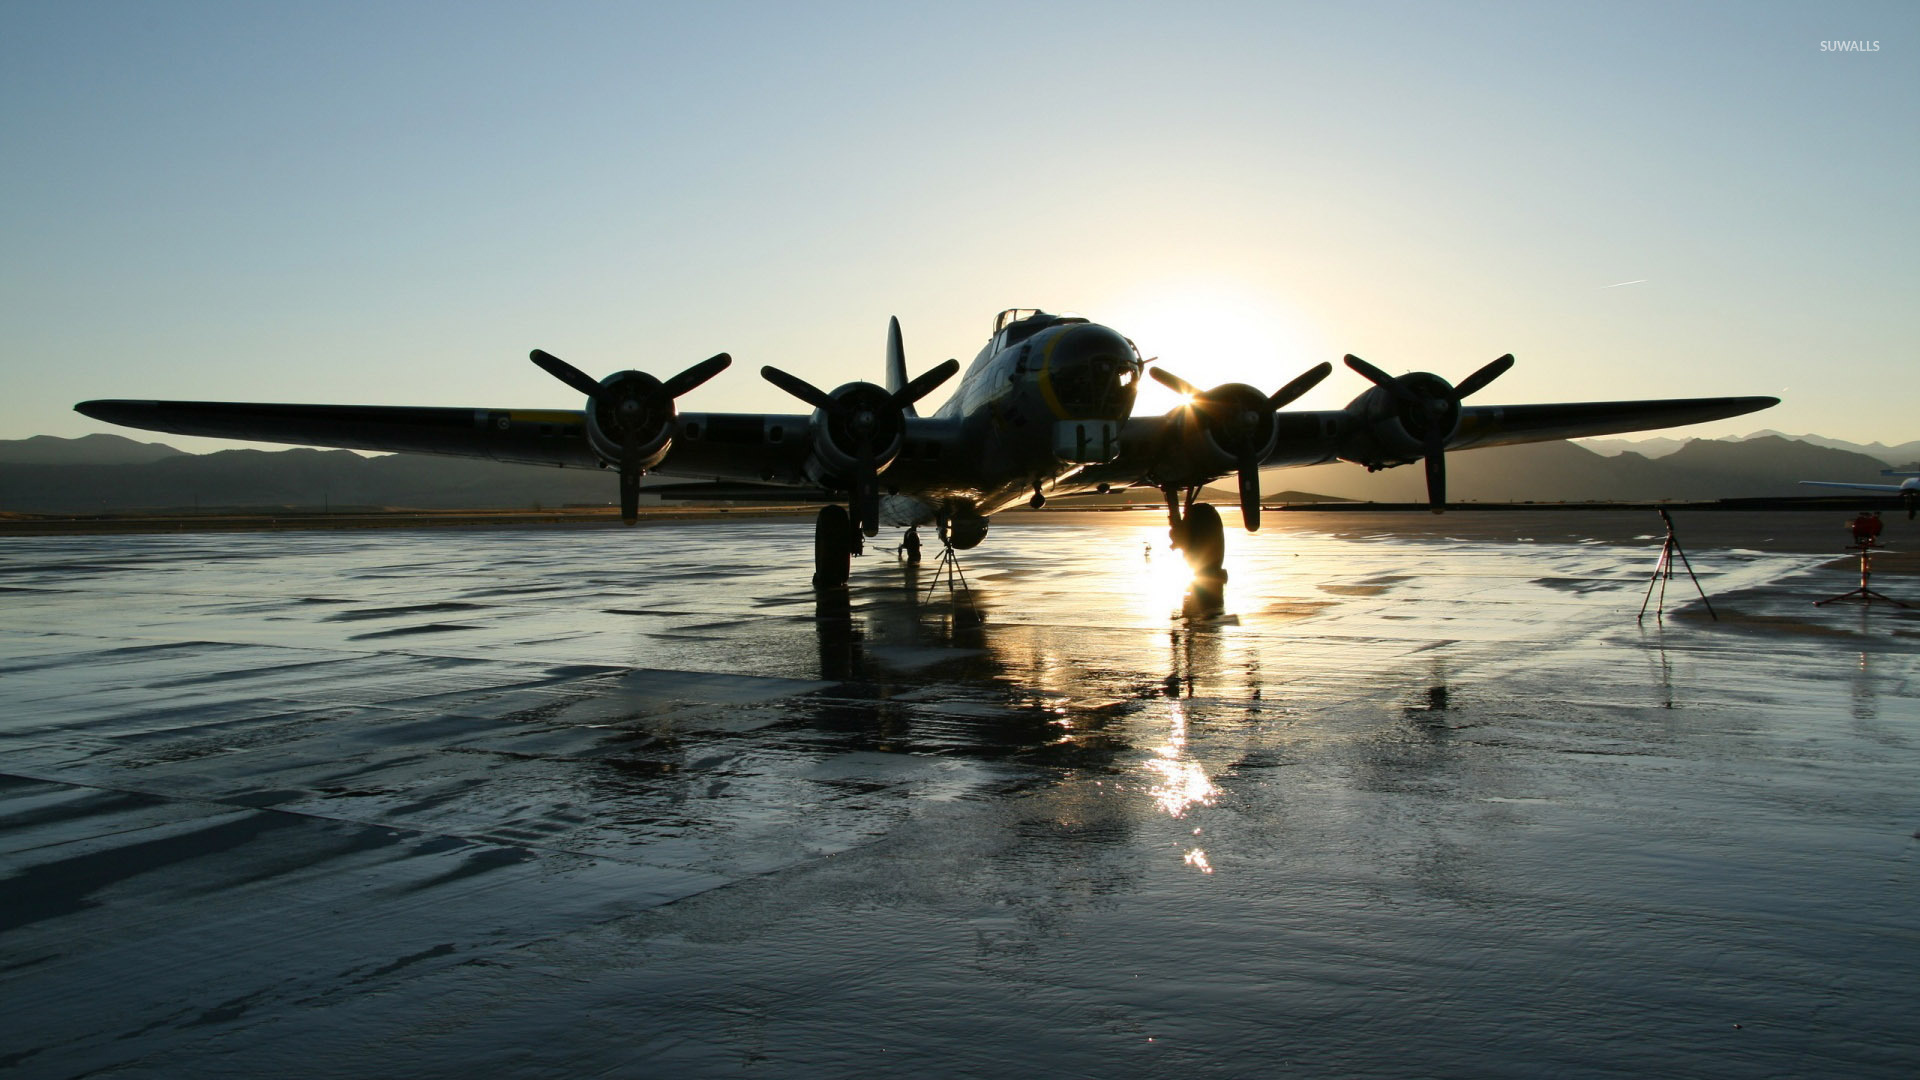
[{"x": 109, "y": 409}]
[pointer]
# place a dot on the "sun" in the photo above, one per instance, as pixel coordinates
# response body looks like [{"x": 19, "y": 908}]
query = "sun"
[{"x": 1210, "y": 334}]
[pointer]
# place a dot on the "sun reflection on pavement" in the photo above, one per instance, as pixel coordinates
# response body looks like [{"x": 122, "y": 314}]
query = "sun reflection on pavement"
[{"x": 1182, "y": 782}]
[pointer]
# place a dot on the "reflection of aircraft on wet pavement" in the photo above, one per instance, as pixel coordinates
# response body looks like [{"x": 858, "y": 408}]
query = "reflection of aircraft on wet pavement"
[
  {"x": 1908, "y": 489},
  {"x": 1044, "y": 408}
]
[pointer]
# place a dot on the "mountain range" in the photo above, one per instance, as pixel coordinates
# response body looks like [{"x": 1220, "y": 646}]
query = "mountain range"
[
  {"x": 99, "y": 473},
  {"x": 1899, "y": 456}
]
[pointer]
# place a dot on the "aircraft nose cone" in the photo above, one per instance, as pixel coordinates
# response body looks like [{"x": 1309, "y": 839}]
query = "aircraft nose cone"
[{"x": 1087, "y": 369}]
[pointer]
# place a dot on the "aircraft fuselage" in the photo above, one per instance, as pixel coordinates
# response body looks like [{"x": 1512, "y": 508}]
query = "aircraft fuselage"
[{"x": 1020, "y": 410}]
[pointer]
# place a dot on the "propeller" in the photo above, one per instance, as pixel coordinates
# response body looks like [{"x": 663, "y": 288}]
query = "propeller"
[
  {"x": 634, "y": 405},
  {"x": 1431, "y": 416},
  {"x": 1240, "y": 419},
  {"x": 867, "y": 418}
]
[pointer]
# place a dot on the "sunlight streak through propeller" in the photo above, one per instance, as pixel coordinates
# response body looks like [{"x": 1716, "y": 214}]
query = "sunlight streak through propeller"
[
  {"x": 1240, "y": 418},
  {"x": 1173, "y": 382}
]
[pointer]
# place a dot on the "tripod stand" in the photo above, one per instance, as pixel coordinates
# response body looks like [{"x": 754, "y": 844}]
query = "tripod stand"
[
  {"x": 948, "y": 564},
  {"x": 1663, "y": 572},
  {"x": 1863, "y": 594}
]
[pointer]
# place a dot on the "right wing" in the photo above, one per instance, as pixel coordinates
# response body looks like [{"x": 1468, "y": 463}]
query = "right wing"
[
  {"x": 526, "y": 436},
  {"x": 752, "y": 447},
  {"x": 1166, "y": 448}
]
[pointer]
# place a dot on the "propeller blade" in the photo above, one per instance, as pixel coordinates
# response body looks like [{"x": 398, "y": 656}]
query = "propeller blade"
[
  {"x": 1250, "y": 493},
  {"x": 565, "y": 372},
  {"x": 925, "y": 384},
  {"x": 697, "y": 374},
  {"x": 1373, "y": 374},
  {"x": 1173, "y": 382},
  {"x": 1478, "y": 381},
  {"x": 1307, "y": 381},
  {"x": 799, "y": 388},
  {"x": 1436, "y": 478}
]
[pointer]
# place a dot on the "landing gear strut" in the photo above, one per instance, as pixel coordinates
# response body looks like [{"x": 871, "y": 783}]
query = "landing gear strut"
[{"x": 1198, "y": 533}]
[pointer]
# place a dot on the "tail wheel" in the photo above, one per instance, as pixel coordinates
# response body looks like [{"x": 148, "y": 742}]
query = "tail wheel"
[
  {"x": 832, "y": 547},
  {"x": 1206, "y": 543}
]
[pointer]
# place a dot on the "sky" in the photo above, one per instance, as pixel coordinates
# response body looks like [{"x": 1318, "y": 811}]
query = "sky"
[{"x": 392, "y": 203}]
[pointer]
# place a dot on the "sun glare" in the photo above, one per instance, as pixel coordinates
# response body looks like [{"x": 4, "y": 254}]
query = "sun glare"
[
  {"x": 1179, "y": 782},
  {"x": 1213, "y": 334},
  {"x": 1160, "y": 575}
]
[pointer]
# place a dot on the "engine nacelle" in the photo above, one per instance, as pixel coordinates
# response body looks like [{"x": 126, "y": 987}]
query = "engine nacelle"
[
  {"x": 1395, "y": 427},
  {"x": 867, "y": 425},
  {"x": 630, "y": 402},
  {"x": 1221, "y": 424}
]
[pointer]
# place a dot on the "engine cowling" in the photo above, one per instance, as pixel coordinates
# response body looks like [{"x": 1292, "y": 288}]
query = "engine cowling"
[
  {"x": 857, "y": 433},
  {"x": 1229, "y": 428},
  {"x": 1398, "y": 425},
  {"x": 863, "y": 430},
  {"x": 1236, "y": 423},
  {"x": 630, "y": 416},
  {"x": 630, "y": 401},
  {"x": 1412, "y": 417}
]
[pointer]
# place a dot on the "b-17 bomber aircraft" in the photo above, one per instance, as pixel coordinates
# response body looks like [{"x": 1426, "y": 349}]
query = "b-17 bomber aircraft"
[{"x": 1045, "y": 408}]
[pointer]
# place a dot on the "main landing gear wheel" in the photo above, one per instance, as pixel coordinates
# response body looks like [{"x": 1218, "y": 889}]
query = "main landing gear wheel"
[
  {"x": 832, "y": 547},
  {"x": 1205, "y": 542}
]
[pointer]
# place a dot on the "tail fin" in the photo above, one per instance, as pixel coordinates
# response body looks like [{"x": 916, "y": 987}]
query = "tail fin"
[{"x": 896, "y": 361}]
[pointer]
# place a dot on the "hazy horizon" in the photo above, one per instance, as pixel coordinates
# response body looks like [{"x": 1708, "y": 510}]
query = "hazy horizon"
[{"x": 362, "y": 203}]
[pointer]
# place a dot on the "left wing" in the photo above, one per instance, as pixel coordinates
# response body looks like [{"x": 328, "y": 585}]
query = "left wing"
[
  {"x": 1504, "y": 425},
  {"x": 1397, "y": 422},
  {"x": 1179, "y": 447}
]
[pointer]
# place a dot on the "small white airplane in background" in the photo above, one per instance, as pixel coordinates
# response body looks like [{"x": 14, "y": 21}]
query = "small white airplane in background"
[{"x": 1908, "y": 489}]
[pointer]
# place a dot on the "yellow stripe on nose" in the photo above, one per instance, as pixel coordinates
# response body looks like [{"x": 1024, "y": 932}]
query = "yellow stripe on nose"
[{"x": 1046, "y": 377}]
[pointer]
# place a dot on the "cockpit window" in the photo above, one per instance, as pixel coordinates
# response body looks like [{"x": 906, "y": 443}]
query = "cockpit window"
[
  {"x": 1016, "y": 325},
  {"x": 1013, "y": 315}
]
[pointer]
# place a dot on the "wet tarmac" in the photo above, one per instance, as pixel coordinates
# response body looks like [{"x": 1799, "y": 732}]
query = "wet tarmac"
[{"x": 598, "y": 803}]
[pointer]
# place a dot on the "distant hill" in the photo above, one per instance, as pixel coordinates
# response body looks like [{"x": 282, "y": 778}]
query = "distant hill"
[
  {"x": 1565, "y": 472},
  {"x": 1897, "y": 455},
  {"x": 1538, "y": 472},
  {"x": 297, "y": 478},
  {"x": 1900, "y": 455},
  {"x": 1655, "y": 447},
  {"x": 85, "y": 450}
]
